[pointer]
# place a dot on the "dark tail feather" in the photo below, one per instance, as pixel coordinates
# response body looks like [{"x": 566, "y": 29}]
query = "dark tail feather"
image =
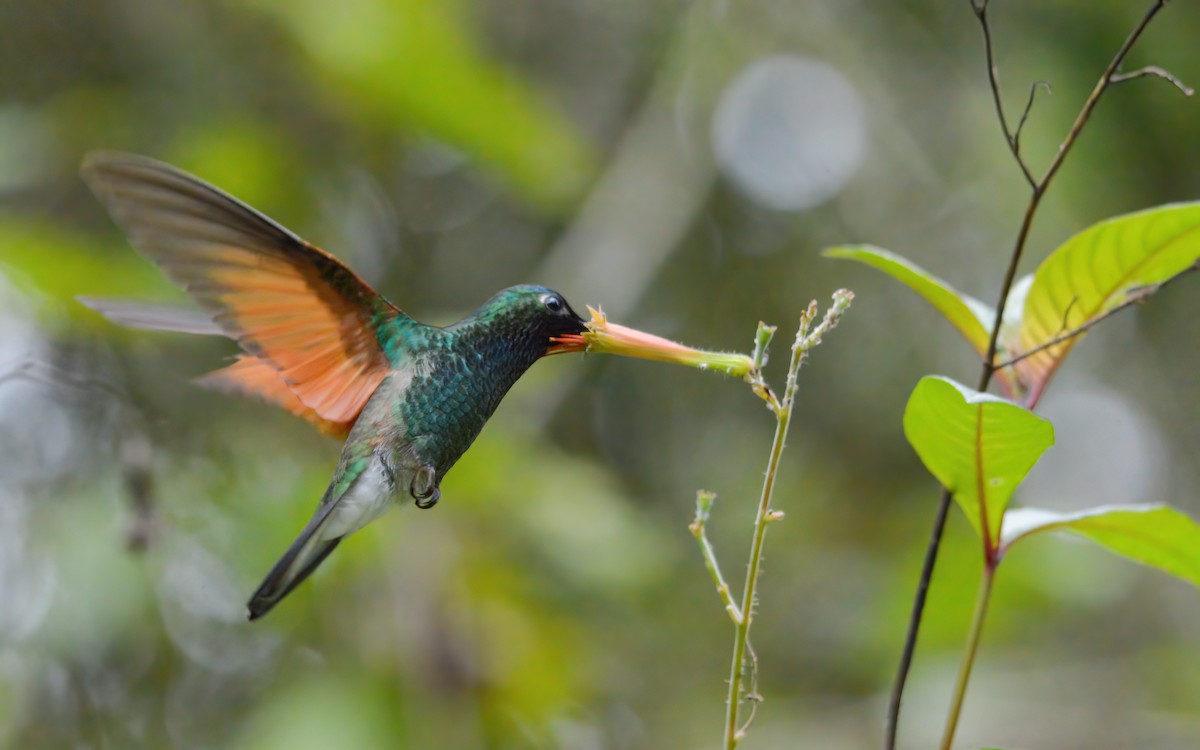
[
  {"x": 153, "y": 317},
  {"x": 297, "y": 564}
]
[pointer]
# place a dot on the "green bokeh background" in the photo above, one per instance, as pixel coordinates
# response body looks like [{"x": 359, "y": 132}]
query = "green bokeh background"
[{"x": 555, "y": 599}]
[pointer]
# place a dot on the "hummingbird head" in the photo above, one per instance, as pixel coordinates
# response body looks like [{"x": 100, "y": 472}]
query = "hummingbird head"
[
  {"x": 539, "y": 315},
  {"x": 555, "y": 319}
]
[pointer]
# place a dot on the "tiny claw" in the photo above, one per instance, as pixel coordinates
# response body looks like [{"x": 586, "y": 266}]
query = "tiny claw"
[
  {"x": 424, "y": 489},
  {"x": 426, "y": 502}
]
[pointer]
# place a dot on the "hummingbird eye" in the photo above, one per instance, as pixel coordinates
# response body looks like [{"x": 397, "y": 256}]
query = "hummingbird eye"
[{"x": 553, "y": 303}]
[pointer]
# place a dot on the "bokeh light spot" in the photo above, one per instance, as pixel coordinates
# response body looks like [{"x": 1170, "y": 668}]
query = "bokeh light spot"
[
  {"x": 1106, "y": 451},
  {"x": 789, "y": 132}
]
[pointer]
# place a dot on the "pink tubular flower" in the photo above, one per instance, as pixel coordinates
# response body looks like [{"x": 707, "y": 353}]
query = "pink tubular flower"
[{"x": 611, "y": 338}]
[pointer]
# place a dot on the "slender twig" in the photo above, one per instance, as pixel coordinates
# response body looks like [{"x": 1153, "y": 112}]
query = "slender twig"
[
  {"x": 1039, "y": 188},
  {"x": 1153, "y": 70},
  {"x": 1101, "y": 86},
  {"x": 989, "y": 367},
  {"x": 914, "y": 618},
  {"x": 1016, "y": 137},
  {"x": 753, "y": 697},
  {"x": 704, "y": 501},
  {"x": 968, "y": 660},
  {"x": 1066, "y": 316},
  {"x": 1013, "y": 139},
  {"x": 1134, "y": 297},
  {"x": 807, "y": 337},
  {"x": 733, "y": 730}
]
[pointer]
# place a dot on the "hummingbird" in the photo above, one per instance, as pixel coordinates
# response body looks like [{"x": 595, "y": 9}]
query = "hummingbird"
[{"x": 318, "y": 341}]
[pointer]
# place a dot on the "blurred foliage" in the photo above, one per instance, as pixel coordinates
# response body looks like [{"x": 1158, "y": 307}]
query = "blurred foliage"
[
  {"x": 555, "y": 598},
  {"x": 1154, "y": 535}
]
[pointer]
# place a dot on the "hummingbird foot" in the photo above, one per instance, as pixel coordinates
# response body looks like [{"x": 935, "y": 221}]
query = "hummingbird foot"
[{"x": 424, "y": 489}]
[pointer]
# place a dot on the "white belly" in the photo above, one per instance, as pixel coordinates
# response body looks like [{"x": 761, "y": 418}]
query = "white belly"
[{"x": 368, "y": 499}]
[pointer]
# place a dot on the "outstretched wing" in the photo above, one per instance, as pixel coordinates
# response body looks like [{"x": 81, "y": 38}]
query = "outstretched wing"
[
  {"x": 285, "y": 301},
  {"x": 152, "y": 316},
  {"x": 250, "y": 376}
]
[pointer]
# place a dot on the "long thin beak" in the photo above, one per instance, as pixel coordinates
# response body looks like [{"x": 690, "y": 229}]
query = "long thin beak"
[{"x": 567, "y": 343}]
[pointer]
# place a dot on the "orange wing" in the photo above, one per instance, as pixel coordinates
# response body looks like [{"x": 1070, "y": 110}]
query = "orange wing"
[
  {"x": 254, "y": 377},
  {"x": 292, "y": 305},
  {"x": 248, "y": 376}
]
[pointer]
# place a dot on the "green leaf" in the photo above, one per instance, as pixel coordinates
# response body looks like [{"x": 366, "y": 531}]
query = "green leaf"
[
  {"x": 971, "y": 317},
  {"x": 1014, "y": 304},
  {"x": 1154, "y": 535},
  {"x": 1107, "y": 265},
  {"x": 978, "y": 446}
]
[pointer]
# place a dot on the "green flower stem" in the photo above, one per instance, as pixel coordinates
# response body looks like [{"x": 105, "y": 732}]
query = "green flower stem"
[
  {"x": 968, "y": 660},
  {"x": 704, "y": 501},
  {"x": 806, "y": 338},
  {"x": 733, "y": 732}
]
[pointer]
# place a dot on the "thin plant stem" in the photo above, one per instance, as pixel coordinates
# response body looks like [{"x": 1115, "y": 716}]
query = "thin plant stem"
[
  {"x": 1133, "y": 297},
  {"x": 968, "y": 660},
  {"x": 704, "y": 501},
  {"x": 1154, "y": 70},
  {"x": 807, "y": 337},
  {"x": 733, "y": 731},
  {"x": 1016, "y": 136},
  {"x": 989, "y": 367},
  {"x": 914, "y": 619},
  {"x": 1101, "y": 86},
  {"x": 1012, "y": 138}
]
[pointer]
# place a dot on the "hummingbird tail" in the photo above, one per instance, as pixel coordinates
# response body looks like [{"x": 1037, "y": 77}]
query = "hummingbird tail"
[
  {"x": 151, "y": 316},
  {"x": 358, "y": 494},
  {"x": 306, "y": 553}
]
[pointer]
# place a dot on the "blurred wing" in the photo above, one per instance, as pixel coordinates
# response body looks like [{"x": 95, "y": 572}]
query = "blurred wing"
[
  {"x": 249, "y": 376},
  {"x": 283, "y": 300},
  {"x": 150, "y": 316}
]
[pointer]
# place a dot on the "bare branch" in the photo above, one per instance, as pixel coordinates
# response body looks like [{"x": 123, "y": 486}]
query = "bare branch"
[
  {"x": 1134, "y": 297},
  {"x": 1067, "y": 314},
  {"x": 1101, "y": 86},
  {"x": 1065, "y": 336},
  {"x": 1025, "y": 114},
  {"x": 1153, "y": 70},
  {"x": 1012, "y": 139}
]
